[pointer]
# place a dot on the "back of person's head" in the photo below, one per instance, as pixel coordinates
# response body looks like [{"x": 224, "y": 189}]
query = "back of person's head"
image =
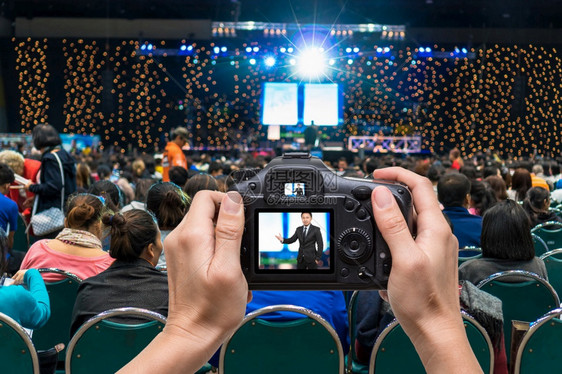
[
  {"x": 452, "y": 189},
  {"x": 104, "y": 171},
  {"x": 6, "y": 174},
  {"x": 168, "y": 203},
  {"x": 200, "y": 182},
  {"x": 44, "y": 136},
  {"x": 83, "y": 175},
  {"x": 482, "y": 196},
  {"x": 131, "y": 232},
  {"x": 84, "y": 210},
  {"x": 178, "y": 175},
  {"x": 526, "y": 164},
  {"x": 370, "y": 165},
  {"x": 435, "y": 172},
  {"x": 490, "y": 170},
  {"x": 498, "y": 185},
  {"x": 469, "y": 171},
  {"x": 537, "y": 199},
  {"x": 14, "y": 160},
  {"x": 149, "y": 163},
  {"x": 506, "y": 232},
  {"x": 555, "y": 168},
  {"x": 521, "y": 182},
  {"x": 141, "y": 189},
  {"x": 110, "y": 192},
  {"x": 138, "y": 167},
  {"x": 215, "y": 167},
  {"x": 537, "y": 169}
]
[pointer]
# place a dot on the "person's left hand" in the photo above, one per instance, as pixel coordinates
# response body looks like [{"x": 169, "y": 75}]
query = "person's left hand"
[{"x": 19, "y": 276}]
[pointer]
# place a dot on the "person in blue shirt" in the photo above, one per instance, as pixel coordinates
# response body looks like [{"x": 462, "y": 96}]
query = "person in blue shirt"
[
  {"x": 453, "y": 191},
  {"x": 8, "y": 208}
]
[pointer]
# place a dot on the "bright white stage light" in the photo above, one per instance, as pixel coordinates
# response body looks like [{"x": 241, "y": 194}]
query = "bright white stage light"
[
  {"x": 270, "y": 61},
  {"x": 224, "y": 49},
  {"x": 422, "y": 49},
  {"x": 312, "y": 63},
  {"x": 248, "y": 49},
  {"x": 252, "y": 61},
  {"x": 292, "y": 61},
  {"x": 216, "y": 50},
  {"x": 283, "y": 49}
]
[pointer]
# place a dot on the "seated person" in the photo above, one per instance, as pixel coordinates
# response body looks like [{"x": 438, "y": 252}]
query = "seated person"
[
  {"x": 26, "y": 301},
  {"x": 537, "y": 204},
  {"x": 77, "y": 248},
  {"x": 506, "y": 245},
  {"x": 132, "y": 280},
  {"x": 453, "y": 191}
]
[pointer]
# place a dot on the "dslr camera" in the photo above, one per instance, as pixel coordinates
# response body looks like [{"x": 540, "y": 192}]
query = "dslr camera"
[{"x": 307, "y": 228}]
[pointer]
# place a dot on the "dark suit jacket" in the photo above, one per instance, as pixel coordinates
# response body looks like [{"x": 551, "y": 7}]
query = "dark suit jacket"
[{"x": 311, "y": 248}]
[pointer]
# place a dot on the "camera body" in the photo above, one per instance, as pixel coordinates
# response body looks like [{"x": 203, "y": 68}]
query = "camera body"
[{"x": 340, "y": 248}]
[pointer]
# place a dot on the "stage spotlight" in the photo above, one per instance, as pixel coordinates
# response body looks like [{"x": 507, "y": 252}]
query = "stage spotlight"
[
  {"x": 183, "y": 48},
  {"x": 290, "y": 49},
  {"x": 252, "y": 61},
  {"x": 217, "y": 50},
  {"x": 189, "y": 47},
  {"x": 332, "y": 62},
  {"x": 256, "y": 49},
  {"x": 248, "y": 49},
  {"x": 348, "y": 50},
  {"x": 283, "y": 49},
  {"x": 349, "y": 61},
  {"x": 312, "y": 63},
  {"x": 464, "y": 50},
  {"x": 457, "y": 50},
  {"x": 355, "y": 50},
  {"x": 143, "y": 47},
  {"x": 422, "y": 49},
  {"x": 292, "y": 61},
  {"x": 149, "y": 47},
  {"x": 223, "y": 49},
  {"x": 269, "y": 61},
  {"x": 379, "y": 50},
  {"x": 386, "y": 49}
]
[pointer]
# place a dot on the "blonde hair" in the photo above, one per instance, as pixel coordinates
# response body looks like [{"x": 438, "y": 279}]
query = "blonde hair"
[{"x": 13, "y": 159}]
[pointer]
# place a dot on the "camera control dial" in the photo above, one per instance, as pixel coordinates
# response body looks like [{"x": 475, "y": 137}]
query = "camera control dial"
[{"x": 355, "y": 245}]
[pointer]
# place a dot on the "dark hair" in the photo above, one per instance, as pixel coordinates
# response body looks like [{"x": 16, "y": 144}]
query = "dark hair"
[
  {"x": 6, "y": 174},
  {"x": 215, "y": 166},
  {"x": 168, "y": 203},
  {"x": 103, "y": 171},
  {"x": 178, "y": 175},
  {"x": 555, "y": 168},
  {"x": 482, "y": 196},
  {"x": 435, "y": 172},
  {"x": 200, "y": 182},
  {"x": 310, "y": 213},
  {"x": 534, "y": 203},
  {"x": 490, "y": 170},
  {"x": 45, "y": 135},
  {"x": 141, "y": 189},
  {"x": 498, "y": 185},
  {"x": 370, "y": 165},
  {"x": 506, "y": 232},
  {"x": 110, "y": 192},
  {"x": 469, "y": 171},
  {"x": 452, "y": 189},
  {"x": 83, "y": 210},
  {"x": 131, "y": 232},
  {"x": 83, "y": 175},
  {"x": 521, "y": 182}
]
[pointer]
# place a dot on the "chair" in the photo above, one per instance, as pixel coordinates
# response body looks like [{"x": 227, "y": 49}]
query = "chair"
[
  {"x": 17, "y": 354},
  {"x": 62, "y": 295},
  {"x": 553, "y": 262},
  {"x": 103, "y": 346},
  {"x": 539, "y": 351},
  {"x": 394, "y": 352},
  {"x": 525, "y": 297},
  {"x": 469, "y": 253},
  {"x": 352, "y": 365},
  {"x": 21, "y": 239},
  {"x": 305, "y": 345},
  {"x": 550, "y": 232},
  {"x": 539, "y": 244}
]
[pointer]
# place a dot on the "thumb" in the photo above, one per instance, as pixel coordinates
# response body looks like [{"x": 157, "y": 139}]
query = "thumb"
[
  {"x": 229, "y": 228},
  {"x": 391, "y": 222}
]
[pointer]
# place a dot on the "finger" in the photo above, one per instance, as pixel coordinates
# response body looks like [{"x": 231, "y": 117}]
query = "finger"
[
  {"x": 391, "y": 223},
  {"x": 384, "y": 295},
  {"x": 229, "y": 229},
  {"x": 425, "y": 201}
]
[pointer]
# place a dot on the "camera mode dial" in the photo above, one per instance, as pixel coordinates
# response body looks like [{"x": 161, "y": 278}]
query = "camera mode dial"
[{"x": 354, "y": 245}]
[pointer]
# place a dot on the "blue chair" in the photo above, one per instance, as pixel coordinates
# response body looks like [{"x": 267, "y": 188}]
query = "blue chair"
[
  {"x": 17, "y": 353},
  {"x": 104, "y": 346},
  {"x": 550, "y": 233},
  {"x": 394, "y": 352},
  {"x": 469, "y": 253},
  {"x": 525, "y": 297},
  {"x": 539, "y": 350},
  {"x": 352, "y": 365},
  {"x": 539, "y": 244},
  {"x": 553, "y": 262},
  {"x": 305, "y": 345}
]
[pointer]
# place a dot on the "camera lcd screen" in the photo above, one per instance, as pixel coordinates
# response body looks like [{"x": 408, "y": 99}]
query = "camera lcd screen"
[
  {"x": 295, "y": 189},
  {"x": 294, "y": 241}
]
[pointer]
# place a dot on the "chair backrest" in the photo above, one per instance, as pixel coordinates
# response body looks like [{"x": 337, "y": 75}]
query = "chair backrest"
[
  {"x": 62, "y": 295},
  {"x": 17, "y": 353},
  {"x": 21, "y": 238},
  {"x": 394, "y": 352},
  {"x": 525, "y": 297},
  {"x": 102, "y": 346},
  {"x": 550, "y": 232},
  {"x": 305, "y": 345},
  {"x": 539, "y": 351},
  {"x": 539, "y": 245},
  {"x": 469, "y": 253},
  {"x": 553, "y": 262},
  {"x": 352, "y": 365}
]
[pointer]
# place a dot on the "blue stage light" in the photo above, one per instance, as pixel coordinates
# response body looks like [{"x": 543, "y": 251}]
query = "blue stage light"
[
  {"x": 457, "y": 50},
  {"x": 282, "y": 49},
  {"x": 256, "y": 49},
  {"x": 428, "y": 49},
  {"x": 248, "y": 49},
  {"x": 292, "y": 61},
  {"x": 349, "y": 61},
  {"x": 270, "y": 61},
  {"x": 379, "y": 50},
  {"x": 216, "y": 50},
  {"x": 332, "y": 62},
  {"x": 422, "y": 49},
  {"x": 290, "y": 49},
  {"x": 464, "y": 51},
  {"x": 183, "y": 48},
  {"x": 348, "y": 50},
  {"x": 149, "y": 47},
  {"x": 355, "y": 50},
  {"x": 143, "y": 47},
  {"x": 189, "y": 47},
  {"x": 252, "y": 61},
  {"x": 223, "y": 49},
  {"x": 386, "y": 49}
]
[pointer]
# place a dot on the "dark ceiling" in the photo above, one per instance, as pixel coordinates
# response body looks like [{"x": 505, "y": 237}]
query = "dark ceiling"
[{"x": 412, "y": 13}]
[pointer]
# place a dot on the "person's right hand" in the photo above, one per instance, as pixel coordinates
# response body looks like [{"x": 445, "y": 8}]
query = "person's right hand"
[
  {"x": 423, "y": 285},
  {"x": 19, "y": 276},
  {"x": 279, "y": 237}
]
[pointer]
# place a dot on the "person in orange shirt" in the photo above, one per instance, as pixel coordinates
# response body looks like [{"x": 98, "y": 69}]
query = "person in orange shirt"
[{"x": 173, "y": 154}]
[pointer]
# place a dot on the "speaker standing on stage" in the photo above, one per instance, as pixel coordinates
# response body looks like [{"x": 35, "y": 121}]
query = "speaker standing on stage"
[{"x": 310, "y": 243}]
